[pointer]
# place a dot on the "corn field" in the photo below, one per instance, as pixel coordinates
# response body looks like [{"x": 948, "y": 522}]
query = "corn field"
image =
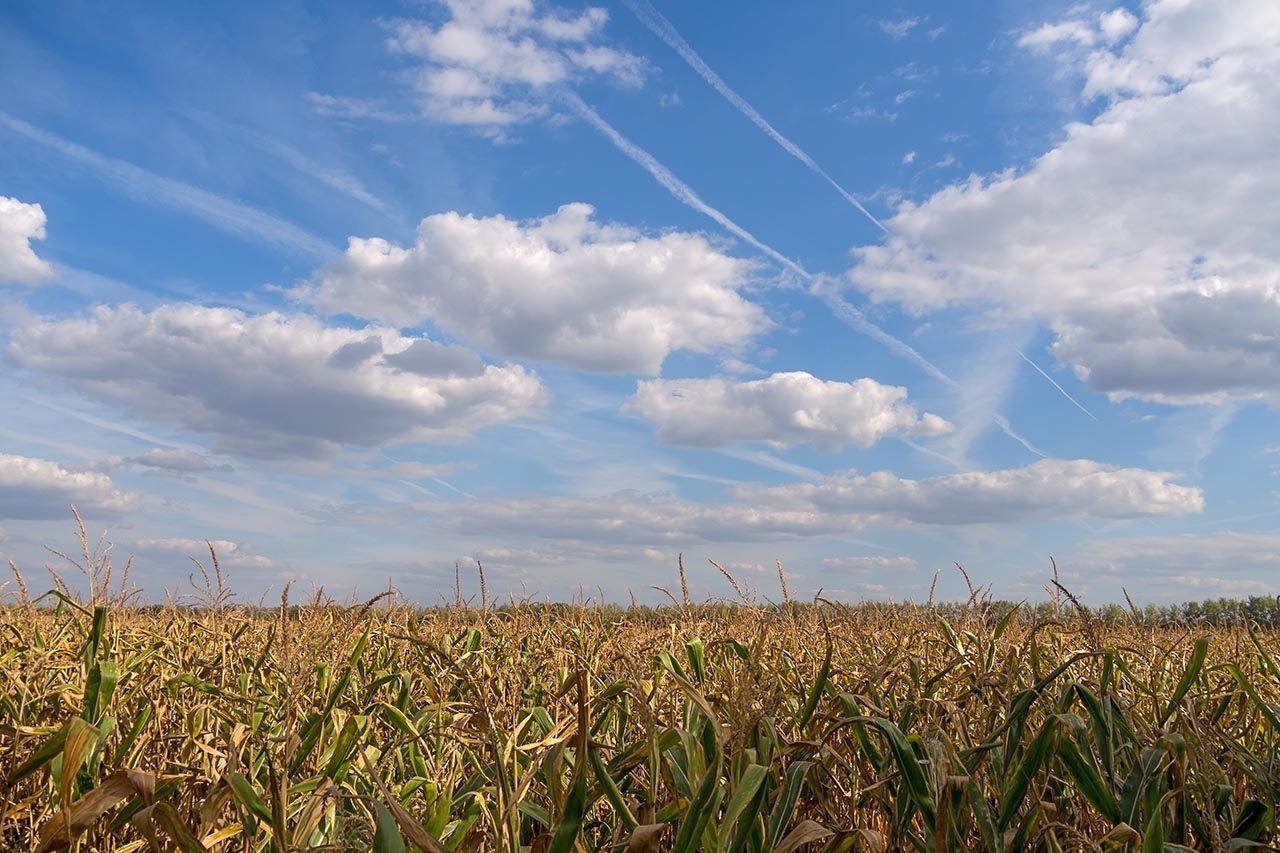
[{"x": 572, "y": 728}]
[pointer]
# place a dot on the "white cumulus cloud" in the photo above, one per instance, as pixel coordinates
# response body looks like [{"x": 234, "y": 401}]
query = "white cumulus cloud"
[
  {"x": 491, "y": 63},
  {"x": 1047, "y": 489},
  {"x": 784, "y": 409},
  {"x": 871, "y": 564},
  {"x": 1145, "y": 239},
  {"x": 1180, "y": 567},
  {"x": 229, "y": 553},
  {"x": 1224, "y": 552},
  {"x": 599, "y": 297},
  {"x": 1050, "y": 489},
  {"x": 179, "y": 460},
  {"x": 274, "y": 384},
  {"x": 20, "y": 223},
  {"x": 33, "y": 489}
]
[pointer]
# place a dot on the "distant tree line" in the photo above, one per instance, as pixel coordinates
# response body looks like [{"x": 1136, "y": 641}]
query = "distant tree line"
[{"x": 1262, "y": 610}]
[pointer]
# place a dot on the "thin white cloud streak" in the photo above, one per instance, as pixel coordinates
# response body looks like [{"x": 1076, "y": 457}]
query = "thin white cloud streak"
[
  {"x": 1003, "y": 423},
  {"x": 767, "y": 460},
  {"x": 232, "y": 217},
  {"x": 334, "y": 178},
  {"x": 112, "y": 426},
  {"x": 684, "y": 193},
  {"x": 845, "y": 312},
  {"x": 915, "y": 445},
  {"x": 416, "y": 487},
  {"x": 662, "y": 28},
  {"x": 1073, "y": 400},
  {"x": 851, "y": 316},
  {"x": 678, "y": 188},
  {"x": 453, "y": 488}
]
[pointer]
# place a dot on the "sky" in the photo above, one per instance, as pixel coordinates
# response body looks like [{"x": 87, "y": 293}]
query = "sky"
[{"x": 366, "y": 293}]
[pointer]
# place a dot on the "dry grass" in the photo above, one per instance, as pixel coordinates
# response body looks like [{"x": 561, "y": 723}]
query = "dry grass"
[{"x": 696, "y": 727}]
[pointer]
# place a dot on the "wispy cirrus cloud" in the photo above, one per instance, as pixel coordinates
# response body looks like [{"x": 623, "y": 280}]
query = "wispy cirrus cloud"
[
  {"x": 1177, "y": 567},
  {"x": 686, "y": 195},
  {"x": 232, "y": 217},
  {"x": 346, "y": 108},
  {"x": 334, "y": 177},
  {"x": 899, "y": 28},
  {"x": 229, "y": 552}
]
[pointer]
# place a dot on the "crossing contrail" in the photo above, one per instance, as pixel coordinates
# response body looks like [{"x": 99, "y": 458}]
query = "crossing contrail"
[
  {"x": 843, "y": 311},
  {"x": 662, "y": 28},
  {"x": 684, "y": 193},
  {"x": 1055, "y": 384}
]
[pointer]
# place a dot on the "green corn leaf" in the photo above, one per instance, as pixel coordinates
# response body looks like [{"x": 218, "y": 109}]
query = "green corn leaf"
[
  {"x": 140, "y": 720},
  {"x": 1267, "y": 710},
  {"x": 818, "y": 688},
  {"x": 50, "y": 749},
  {"x": 1254, "y": 818},
  {"x": 705, "y": 801},
  {"x": 1153, "y": 837},
  {"x": 1087, "y": 779},
  {"x": 610, "y": 789},
  {"x": 398, "y": 720},
  {"x": 913, "y": 773},
  {"x": 744, "y": 795},
  {"x": 93, "y": 643},
  {"x": 784, "y": 804},
  {"x": 1036, "y": 756},
  {"x": 575, "y": 810},
  {"x": 98, "y": 689},
  {"x": 696, "y": 652},
  {"x": 243, "y": 791},
  {"x": 386, "y": 835},
  {"x": 982, "y": 814},
  {"x": 1136, "y": 784},
  {"x": 1189, "y": 676}
]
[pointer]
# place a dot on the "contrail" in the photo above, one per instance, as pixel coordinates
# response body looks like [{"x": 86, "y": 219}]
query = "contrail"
[
  {"x": 915, "y": 445},
  {"x": 332, "y": 177},
  {"x": 684, "y": 193},
  {"x": 449, "y": 485},
  {"x": 856, "y": 319},
  {"x": 662, "y": 28},
  {"x": 222, "y": 213},
  {"x": 1003, "y": 423},
  {"x": 678, "y": 188},
  {"x": 845, "y": 312},
  {"x": 1055, "y": 384}
]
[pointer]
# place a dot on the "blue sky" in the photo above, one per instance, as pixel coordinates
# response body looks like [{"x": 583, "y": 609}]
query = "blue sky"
[{"x": 363, "y": 291}]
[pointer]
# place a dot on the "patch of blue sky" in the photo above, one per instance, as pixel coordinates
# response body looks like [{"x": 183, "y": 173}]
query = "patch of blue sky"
[{"x": 217, "y": 157}]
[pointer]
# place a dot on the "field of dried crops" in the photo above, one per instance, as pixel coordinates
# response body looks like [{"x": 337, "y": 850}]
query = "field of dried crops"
[{"x": 711, "y": 728}]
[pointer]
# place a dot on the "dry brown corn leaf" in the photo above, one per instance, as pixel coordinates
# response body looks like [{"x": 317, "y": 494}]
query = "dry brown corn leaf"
[{"x": 69, "y": 823}]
